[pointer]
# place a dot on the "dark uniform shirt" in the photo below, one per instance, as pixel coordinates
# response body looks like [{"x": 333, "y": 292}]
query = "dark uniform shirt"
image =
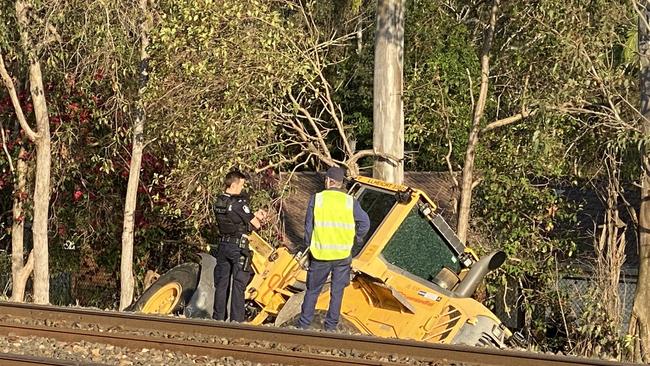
[{"x": 233, "y": 214}]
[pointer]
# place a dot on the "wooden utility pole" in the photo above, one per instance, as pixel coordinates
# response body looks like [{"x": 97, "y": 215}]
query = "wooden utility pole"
[{"x": 388, "y": 111}]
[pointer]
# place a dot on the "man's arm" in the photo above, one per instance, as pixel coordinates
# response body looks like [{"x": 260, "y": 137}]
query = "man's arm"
[
  {"x": 243, "y": 210},
  {"x": 309, "y": 223},
  {"x": 362, "y": 222}
]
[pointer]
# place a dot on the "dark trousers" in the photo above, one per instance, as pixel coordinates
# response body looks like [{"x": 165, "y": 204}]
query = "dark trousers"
[
  {"x": 228, "y": 265},
  {"x": 316, "y": 278}
]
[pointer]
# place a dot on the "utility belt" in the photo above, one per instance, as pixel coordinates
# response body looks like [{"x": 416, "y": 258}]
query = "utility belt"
[{"x": 240, "y": 240}]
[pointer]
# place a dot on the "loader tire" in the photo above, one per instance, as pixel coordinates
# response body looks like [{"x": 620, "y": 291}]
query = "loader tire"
[{"x": 170, "y": 293}]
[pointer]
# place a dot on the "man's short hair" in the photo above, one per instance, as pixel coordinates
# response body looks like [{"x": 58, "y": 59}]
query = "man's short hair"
[{"x": 233, "y": 177}]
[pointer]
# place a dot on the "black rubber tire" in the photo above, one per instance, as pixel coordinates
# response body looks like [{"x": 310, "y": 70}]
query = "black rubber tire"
[{"x": 186, "y": 275}]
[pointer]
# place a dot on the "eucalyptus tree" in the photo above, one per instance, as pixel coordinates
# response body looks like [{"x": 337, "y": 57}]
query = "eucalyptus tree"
[
  {"x": 554, "y": 95},
  {"x": 60, "y": 46},
  {"x": 126, "y": 262},
  {"x": 240, "y": 84},
  {"x": 31, "y": 47}
]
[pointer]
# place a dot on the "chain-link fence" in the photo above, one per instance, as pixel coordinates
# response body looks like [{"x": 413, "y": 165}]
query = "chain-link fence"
[
  {"x": 92, "y": 289},
  {"x": 579, "y": 288},
  {"x": 5, "y": 274}
]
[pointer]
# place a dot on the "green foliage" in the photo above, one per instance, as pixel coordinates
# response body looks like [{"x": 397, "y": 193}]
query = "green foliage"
[
  {"x": 437, "y": 57},
  {"x": 227, "y": 63},
  {"x": 220, "y": 72},
  {"x": 530, "y": 222},
  {"x": 7, "y": 26},
  {"x": 596, "y": 332},
  {"x": 631, "y": 47},
  {"x": 438, "y": 108},
  {"x": 546, "y": 55},
  {"x": 533, "y": 226}
]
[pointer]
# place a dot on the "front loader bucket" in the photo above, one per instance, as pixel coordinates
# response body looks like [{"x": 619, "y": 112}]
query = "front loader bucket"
[{"x": 201, "y": 304}]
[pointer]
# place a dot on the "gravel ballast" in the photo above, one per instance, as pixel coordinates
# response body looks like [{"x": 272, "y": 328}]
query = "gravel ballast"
[
  {"x": 112, "y": 355},
  {"x": 88, "y": 352}
]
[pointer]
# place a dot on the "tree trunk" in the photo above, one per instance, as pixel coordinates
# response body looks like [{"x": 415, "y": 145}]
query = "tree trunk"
[
  {"x": 41, "y": 138},
  {"x": 609, "y": 246},
  {"x": 388, "y": 112},
  {"x": 20, "y": 270},
  {"x": 42, "y": 188},
  {"x": 20, "y": 277},
  {"x": 467, "y": 180},
  {"x": 126, "y": 267},
  {"x": 641, "y": 309},
  {"x": 43, "y": 164}
]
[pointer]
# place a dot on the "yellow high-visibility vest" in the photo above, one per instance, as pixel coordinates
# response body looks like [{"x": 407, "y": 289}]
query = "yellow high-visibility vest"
[{"x": 333, "y": 234}]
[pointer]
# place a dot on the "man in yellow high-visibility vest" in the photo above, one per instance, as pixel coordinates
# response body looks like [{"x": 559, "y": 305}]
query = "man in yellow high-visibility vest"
[{"x": 334, "y": 221}]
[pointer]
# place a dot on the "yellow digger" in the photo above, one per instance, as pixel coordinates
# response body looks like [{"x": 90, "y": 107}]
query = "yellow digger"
[{"x": 411, "y": 279}]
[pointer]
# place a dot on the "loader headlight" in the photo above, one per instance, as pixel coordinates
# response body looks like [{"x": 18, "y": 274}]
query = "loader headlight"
[{"x": 466, "y": 259}]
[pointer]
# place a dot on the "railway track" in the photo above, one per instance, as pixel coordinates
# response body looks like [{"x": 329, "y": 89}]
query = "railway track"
[
  {"x": 302, "y": 347},
  {"x": 8, "y": 359}
]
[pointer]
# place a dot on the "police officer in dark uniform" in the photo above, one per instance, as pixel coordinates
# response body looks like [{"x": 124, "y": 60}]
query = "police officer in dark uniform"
[{"x": 234, "y": 218}]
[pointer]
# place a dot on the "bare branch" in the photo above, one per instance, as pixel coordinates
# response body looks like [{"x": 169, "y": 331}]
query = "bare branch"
[
  {"x": 640, "y": 13},
  {"x": 4, "y": 147},
  {"x": 314, "y": 113},
  {"x": 449, "y": 143},
  {"x": 352, "y": 161},
  {"x": 51, "y": 36},
  {"x": 471, "y": 88},
  {"x": 467, "y": 185},
  {"x": 281, "y": 162},
  {"x": 619, "y": 122},
  {"x": 9, "y": 84},
  {"x": 329, "y": 105},
  {"x": 365, "y": 153},
  {"x": 509, "y": 120},
  {"x": 319, "y": 135},
  {"x": 477, "y": 182}
]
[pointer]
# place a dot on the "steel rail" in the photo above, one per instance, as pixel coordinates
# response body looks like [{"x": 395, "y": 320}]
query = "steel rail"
[
  {"x": 413, "y": 349},
  {"x": 196, "y": 348},
  {"x": 10, "y": 359}
]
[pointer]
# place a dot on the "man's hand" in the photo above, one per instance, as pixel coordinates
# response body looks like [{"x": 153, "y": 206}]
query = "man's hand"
[
  {"x": 259, "y": 219},
  {"x": 261, "y": 215}
]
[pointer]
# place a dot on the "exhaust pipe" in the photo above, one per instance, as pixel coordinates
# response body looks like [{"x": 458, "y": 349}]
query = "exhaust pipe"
[{"x": 478, "y": 270}]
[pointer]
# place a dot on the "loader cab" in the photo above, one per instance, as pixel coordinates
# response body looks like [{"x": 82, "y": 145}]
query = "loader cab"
[
  {"x": 406, "y": 234},
  {"x": 377, "y": 203}
]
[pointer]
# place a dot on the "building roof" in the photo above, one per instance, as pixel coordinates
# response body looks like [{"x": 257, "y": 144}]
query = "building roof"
[{"x": 437, "y": 185}]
